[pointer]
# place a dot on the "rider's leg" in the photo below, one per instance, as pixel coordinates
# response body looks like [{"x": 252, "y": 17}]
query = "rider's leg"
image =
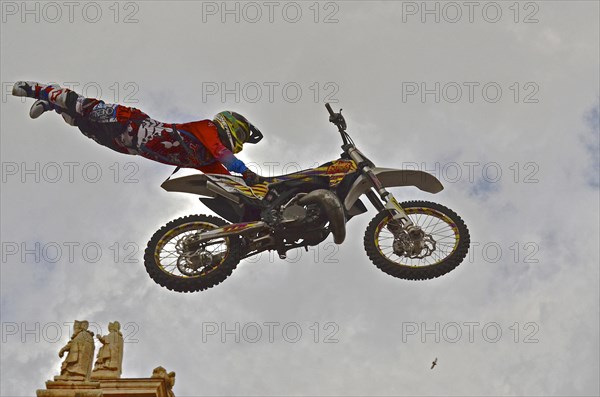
[
  {"x": 54, "y": 97},
  {"x": 76, "y": 109},
  {"x": 121, "y": 128}
]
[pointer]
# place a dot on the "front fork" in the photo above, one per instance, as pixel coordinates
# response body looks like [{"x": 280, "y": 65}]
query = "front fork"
[
  {"x": 392, "y": 205},
  {"x": 415, "y": 232}
]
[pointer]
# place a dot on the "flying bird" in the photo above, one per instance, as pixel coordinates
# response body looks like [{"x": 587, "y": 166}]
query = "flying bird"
[{"x": 434, "y": 363}]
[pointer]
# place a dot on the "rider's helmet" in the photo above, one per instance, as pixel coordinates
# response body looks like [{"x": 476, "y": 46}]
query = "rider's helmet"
[{"x": 235, "y": 130}]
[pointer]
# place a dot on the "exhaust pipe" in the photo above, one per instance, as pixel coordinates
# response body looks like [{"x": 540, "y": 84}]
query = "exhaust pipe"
[{"x": 333, "y": 210}]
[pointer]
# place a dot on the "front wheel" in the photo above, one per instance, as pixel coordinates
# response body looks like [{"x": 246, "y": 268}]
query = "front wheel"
[
  {"x": 176, "y": 259},
  {"x": 444, "y": 246}
]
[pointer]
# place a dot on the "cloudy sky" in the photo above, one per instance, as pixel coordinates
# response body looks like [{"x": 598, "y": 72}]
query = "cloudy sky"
[{"x": 498, "y": 99}]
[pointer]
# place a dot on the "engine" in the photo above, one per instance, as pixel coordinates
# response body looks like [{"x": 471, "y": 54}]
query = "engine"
[{"x": 305, "y": 216}]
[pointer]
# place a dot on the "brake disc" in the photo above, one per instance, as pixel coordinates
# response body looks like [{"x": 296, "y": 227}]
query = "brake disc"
[
  {"x": 192, "y": 256},
  {"x": 415, "y": 249}
]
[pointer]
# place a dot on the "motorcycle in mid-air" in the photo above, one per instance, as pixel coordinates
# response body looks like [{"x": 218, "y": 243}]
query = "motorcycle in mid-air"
[{"x": 414, "y": 240}]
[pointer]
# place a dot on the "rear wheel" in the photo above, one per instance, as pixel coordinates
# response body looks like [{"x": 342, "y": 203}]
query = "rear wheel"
[
  {"x": 176, "y": 259},
  {"x": 445, "y": 244}
]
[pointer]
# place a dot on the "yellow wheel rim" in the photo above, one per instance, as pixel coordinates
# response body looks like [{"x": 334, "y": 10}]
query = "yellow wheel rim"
[
  {"x": 167, "y": 256},
  {"x": 441, "y": 228}
]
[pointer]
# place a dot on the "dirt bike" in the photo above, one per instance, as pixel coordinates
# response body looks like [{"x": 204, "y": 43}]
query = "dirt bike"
[{"x": 414, "y": 240}]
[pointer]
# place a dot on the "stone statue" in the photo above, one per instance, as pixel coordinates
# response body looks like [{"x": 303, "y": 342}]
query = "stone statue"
[
  {"x": 78, "y": 363},
  {"x": 110, "y": 356},
  {"x": 160, "y": 372}
]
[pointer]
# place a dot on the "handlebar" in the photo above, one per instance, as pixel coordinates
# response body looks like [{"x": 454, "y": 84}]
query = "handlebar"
[
  {"x": 336, "y": 118},
  {"x": 329, "y": 109}
]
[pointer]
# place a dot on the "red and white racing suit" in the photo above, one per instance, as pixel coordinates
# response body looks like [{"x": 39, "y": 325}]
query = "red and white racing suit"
[{"x": 129, "y": 130}]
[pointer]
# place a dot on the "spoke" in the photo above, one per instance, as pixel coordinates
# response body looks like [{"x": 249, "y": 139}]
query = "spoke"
[
  {"x": 431, "y": 219},
  {"x": 443, "y": 228},
  {"x": 418, "y": 220},
  {"x": 434, "y": 225},
  {"x": 171, "y": 251}
]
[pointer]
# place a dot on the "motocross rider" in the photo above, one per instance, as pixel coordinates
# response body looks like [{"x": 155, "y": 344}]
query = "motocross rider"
[{"x": 206, "y": 145}]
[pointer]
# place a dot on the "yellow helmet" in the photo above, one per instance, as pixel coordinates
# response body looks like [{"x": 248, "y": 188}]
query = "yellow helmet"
[{"x": 235, "y": 130}]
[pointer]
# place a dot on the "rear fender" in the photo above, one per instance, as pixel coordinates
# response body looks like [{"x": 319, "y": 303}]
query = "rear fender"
[{"x": 199, "y": 184}]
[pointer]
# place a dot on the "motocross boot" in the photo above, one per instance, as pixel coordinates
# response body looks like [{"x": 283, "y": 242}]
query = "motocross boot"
[
  {"x": 26, "y": 88},
  {"x": 35, "y": 90},
  {"x": 50, "y": 97},
  {"x": 40, "y": 106},
  {"x": 51, "y": 93}
]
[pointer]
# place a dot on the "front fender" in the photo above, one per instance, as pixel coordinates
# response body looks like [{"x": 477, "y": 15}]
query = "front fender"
[{"x": 390, "y": 177}]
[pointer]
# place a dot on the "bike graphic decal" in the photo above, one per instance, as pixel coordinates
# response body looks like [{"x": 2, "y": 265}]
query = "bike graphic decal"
[
  {"x": 335, "y": 171},
  {"x": 257, "y": 191},
  {"x": 238, "y": 227}
]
